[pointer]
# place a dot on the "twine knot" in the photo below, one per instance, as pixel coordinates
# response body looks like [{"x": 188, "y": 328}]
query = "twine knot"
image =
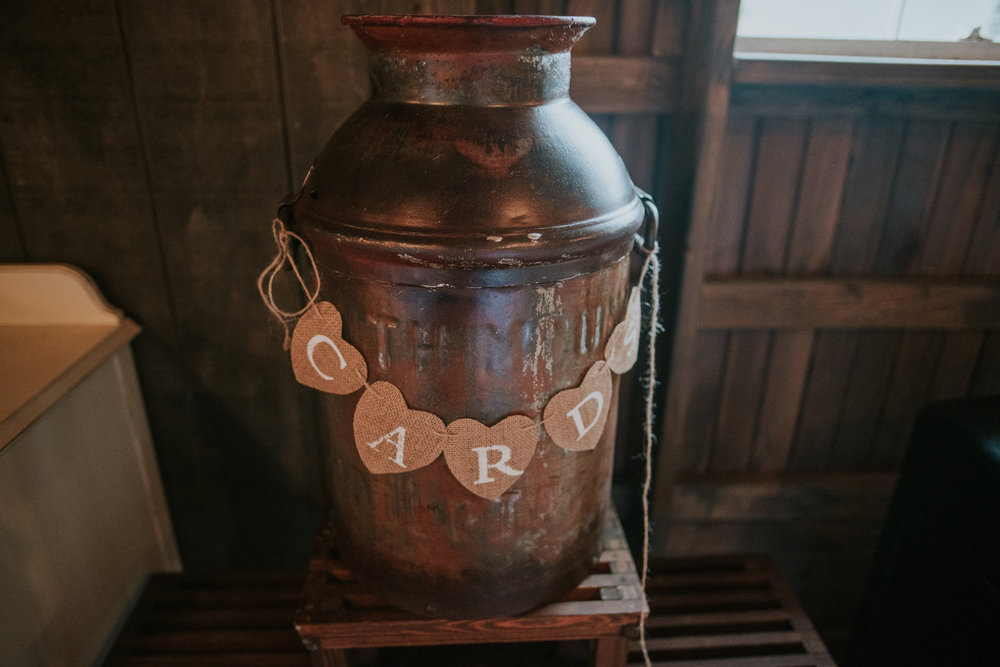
[{"x": 265, "y": 282}]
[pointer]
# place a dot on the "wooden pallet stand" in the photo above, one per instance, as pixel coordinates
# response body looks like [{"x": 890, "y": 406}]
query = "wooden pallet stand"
[
  {"x": 725, "y": 611},
  {"x": 715, "y": 611},
  {"x": 335, "y": 613}
]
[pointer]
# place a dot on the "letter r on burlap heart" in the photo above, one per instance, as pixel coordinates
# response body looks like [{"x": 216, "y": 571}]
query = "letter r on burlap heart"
[
  {"x": 575, "y": 418},
  {"x": 321, "y": 358},
  {"x": 623, "y": 346},
  {"x": 487, "y": 460},
  {"x": 392, "y": 438}
]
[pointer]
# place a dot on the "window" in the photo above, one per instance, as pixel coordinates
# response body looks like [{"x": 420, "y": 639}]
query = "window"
[{"x": 871, "y": 29}]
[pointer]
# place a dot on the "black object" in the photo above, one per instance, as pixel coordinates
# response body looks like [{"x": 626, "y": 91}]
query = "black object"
[{"x": 934, "y": 593}]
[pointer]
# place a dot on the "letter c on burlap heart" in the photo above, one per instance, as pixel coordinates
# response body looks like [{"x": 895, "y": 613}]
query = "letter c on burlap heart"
[
  {"x": 487, "y": 460},
  {"x": 321, "y": 358},
  {"x": 391, "y": 437}
]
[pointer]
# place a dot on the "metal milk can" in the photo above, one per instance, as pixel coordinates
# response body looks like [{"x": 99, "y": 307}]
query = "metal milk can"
[{"x": 476, "y": 230}]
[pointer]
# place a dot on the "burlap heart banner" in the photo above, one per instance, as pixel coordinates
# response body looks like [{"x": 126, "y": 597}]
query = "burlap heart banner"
[
  {"x": 321, "y": 358},
  {"x": 391, "y": 437},
  {"x": 575, "y": 418},
  {"x": 622, "y": 349},
  {"x": 487, "y": 460}
]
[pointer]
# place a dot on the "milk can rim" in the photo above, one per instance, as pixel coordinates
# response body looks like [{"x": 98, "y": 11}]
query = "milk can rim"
[{"x": 469, "y": 20}]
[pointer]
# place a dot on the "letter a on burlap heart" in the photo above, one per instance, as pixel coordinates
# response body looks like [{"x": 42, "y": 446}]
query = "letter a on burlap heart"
[
  {"x": 487, "y": 460},
  {"x": 321, "y": 358},
  {"x": 392, "y": 438},
  {"x": 575, "y": 418},
  {"x": 623, "y": 346}
]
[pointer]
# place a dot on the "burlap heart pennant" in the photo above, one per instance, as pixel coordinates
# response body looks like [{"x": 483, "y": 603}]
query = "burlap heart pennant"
[
  {"x": 622, "y": 349},
  {"x": 487, "y": 460},
  {"x": 389, "y": 436},
  {"x": 321, "y": 358},
  {"x": 575, "y": 418}
]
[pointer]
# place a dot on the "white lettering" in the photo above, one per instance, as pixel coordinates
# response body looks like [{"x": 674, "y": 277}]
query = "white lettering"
[
  {"x": 311, "y": 350},
  {"x": 574, "y": 414},
  {"x": 395, "y": 437},
  {"x": 501, "y": 465}
]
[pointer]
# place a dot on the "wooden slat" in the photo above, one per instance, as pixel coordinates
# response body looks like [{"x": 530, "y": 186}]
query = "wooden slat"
[
  {"x": 863, "y": 399},
  {"x": 739, "y": 403},
  {"x": 729, "y": 215},
  {"x": 777, "y": 303},
  {"x": 986, "y": 380},
  {"x": 624, "y": 84},
  {"x": 959, "y": 198},
  {"x": 705, "y": 391},
  {"x": 599, "y": 40},
  {"x": 743, "y": 641},
  {"x": 912, "y": 197},
  {"x": 336, "y": 613},
  {"x": 811, "y": 235},
  {"x": 11, "y": 245},
  {"x": 983, "y": 257},
  {"x": 709, "y": 37},
  {"x": 820, "y": 497},
  {"x": 710, "y": 610},
  {"x": 871, "y": 74},
  {"x": 909, "y": 387}
]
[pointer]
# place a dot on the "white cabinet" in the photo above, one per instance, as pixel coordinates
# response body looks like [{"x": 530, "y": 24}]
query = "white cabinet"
[{"x": 83, "y": 518}]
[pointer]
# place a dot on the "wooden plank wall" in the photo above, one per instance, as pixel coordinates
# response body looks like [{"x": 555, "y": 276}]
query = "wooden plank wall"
[
  {"x": 149, "y": 143},
  {"x": 850, "y": 277},
  {"x": 849, "y": 273}
]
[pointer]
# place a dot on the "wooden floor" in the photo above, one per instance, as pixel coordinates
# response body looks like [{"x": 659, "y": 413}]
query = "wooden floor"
[{"x": 706, "y": 611}]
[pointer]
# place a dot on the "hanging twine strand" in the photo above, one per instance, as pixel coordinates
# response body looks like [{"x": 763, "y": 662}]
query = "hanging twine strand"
[
  {"x": 265, "y": 282},
  {"x": 653, "y": 263}
]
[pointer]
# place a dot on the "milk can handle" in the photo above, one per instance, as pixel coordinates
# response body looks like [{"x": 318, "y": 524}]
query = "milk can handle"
[{"x": 645, "y": 237}]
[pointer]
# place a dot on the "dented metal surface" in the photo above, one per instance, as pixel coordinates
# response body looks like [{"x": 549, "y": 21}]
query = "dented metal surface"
[{"x": 474, "y": 228}]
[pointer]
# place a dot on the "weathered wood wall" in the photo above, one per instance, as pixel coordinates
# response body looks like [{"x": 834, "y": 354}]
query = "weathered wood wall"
[
  {"x": 150, "y": 142},
  {"x": 848, "y": 272}
]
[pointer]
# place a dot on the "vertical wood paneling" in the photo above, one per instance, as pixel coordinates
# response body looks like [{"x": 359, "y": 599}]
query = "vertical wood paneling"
[
  {"x": 913, "y": 192},
  {"x": 867, "y": 190},
  {"x": 986, "y": 380},
  {"x": 983, "y": 258},
  {"x": 11, "y": 244},
  {"x": 207, "y": 95},
  {"x": 909, "y": 388},
  {"x": 71, "y": 153},
  {"x": 698, "y": 427},
  {"x": 822, "y": 402},
  {"x": 772, "y": 203},
  {"x": 958, "y": 198},
  {"x": 824, "y": 173},
  {"x": 729, "y": 219},
  {"x": 864, "y": 397},
  {"x": 817, "y": 209},
  {"x": 687, "y": 189}
]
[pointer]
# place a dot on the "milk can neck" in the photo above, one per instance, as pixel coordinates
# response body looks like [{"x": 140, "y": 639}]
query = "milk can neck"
[{"x": 472, "y": 60}]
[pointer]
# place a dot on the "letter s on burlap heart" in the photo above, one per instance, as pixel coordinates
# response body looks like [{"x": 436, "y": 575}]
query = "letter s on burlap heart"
[
  {"x": 321, "y": 358},
  {"x": 391, "y": 437},
  {"x": 623, "y": 346},
  {"x": 487, "y": 460},
  {"x": 575, "y": 418}
]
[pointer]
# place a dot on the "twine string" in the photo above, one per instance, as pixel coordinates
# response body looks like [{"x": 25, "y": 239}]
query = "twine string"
[
  {"x": 265, "y": 282},
  {"x": 653, "y": 263}
]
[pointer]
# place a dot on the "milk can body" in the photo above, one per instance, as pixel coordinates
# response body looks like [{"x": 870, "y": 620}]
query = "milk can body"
[{"x": 474, "y": 228}]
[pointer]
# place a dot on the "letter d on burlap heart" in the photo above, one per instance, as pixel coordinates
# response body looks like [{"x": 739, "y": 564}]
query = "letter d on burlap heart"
[
  {"x": 391, "y": 437},
  {"x": 487, "y": 460},
  {"x": 575, "y": 418},
  {"x": 321, "y": 358}
]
